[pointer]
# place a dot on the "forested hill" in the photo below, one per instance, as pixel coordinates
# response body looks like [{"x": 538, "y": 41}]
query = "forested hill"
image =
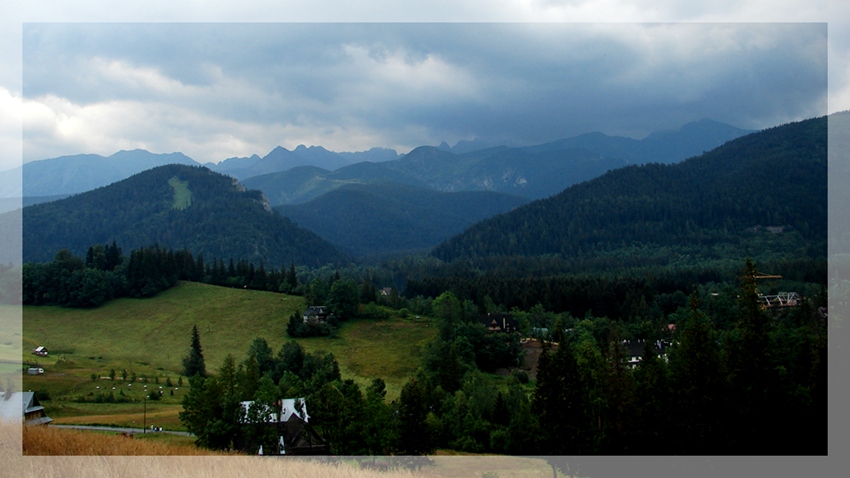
[
  {"x": 765, "y": 193},
  {"x": 175, "y": 206}
]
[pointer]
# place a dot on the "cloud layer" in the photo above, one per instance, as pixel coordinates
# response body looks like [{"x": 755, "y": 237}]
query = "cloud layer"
[{"x": 214, "y": 91}]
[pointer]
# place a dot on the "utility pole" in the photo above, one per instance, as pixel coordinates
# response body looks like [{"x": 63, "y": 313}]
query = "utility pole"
[{"x": 145, "y": 426}]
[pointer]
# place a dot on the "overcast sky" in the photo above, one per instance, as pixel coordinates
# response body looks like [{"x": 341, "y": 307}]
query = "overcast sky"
[{"x": 227, "y": 86}]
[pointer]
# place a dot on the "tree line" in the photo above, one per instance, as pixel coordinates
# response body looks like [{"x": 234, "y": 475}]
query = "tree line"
[{"x": 105, "y": 274}]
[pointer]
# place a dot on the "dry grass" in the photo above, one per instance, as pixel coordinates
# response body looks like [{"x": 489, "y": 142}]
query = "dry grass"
[
  {"x": 59, "y": 441},
  {"x": 44, "y": 441}
]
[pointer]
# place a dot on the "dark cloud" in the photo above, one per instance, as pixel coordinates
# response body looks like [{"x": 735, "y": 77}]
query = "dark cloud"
[{"x": 402, "y": 85}]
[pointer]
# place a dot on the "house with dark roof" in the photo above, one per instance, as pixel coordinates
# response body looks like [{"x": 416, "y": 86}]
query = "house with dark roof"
[
  {"x": 635, "y": 350},
  {"x": 290, "y": 422},
  {"x": 504, "y": 323},
  {"x": 316, "y": 314},
  {"x": 23, "y": 406}
]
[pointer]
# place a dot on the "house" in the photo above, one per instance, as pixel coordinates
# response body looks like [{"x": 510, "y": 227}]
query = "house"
[
  {"x": 504, "y": 323},
  {"x": 23, "y": 406},
  {"x": 635, "y": 350},
  {"x": 40, "y": 351},
  {"x": 316, "y": 314},
  {"x": 291, "y": 423}
]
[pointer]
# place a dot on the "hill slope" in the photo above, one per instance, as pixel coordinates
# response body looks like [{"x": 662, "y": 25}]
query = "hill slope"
[
  {"x": 389, "y": 218},
  {"x": 717, "y": 203},
  {"x": 157, "y": 331},
  {"x": 177, "y": 207}
]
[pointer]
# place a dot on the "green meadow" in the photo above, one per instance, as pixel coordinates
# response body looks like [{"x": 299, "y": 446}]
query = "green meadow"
[{"x": 149, "y": 338}]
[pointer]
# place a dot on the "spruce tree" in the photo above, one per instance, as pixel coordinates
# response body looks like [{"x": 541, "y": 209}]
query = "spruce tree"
[{"x": 193, "y": 364}]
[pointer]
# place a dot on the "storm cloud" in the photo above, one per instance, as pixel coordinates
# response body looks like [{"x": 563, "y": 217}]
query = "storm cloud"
[{"x": 214, "y": 91}]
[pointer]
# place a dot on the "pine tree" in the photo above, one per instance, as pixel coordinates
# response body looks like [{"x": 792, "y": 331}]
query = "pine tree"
[
  {"x": 193, "y": 364},
  {"x": 752, "y": 375},
  {"x": 697, "y": 379},
  {"x": 413, "y": 433},
  {"x": 560, "y": 404}
]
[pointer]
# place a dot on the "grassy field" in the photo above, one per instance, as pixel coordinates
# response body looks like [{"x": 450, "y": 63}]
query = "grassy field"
[
  {"x": 44, "y": 452},
  {"x": 182, "y": 193},
  {"x": 149, "y": 337}
]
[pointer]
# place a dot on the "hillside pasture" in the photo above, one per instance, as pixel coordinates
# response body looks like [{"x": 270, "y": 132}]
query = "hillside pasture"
[{"x": 149, "y": 337}]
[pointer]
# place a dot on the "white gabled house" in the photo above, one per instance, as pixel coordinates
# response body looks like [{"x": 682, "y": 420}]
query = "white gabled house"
[{"x": 290, "y": 419}]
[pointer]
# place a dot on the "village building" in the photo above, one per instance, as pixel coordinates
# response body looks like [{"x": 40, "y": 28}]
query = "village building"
[
  {"x": 291, "y": 424},
  {"x": 635, "y": 350},
  {"x": 504, "y": 323},
  {"x": 316, "y": 314},
  {"x": 23, "y": 406}
]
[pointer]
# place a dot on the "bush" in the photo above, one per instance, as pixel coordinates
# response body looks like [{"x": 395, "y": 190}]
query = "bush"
[
  {"x": 42, "y": 395},
  {"x": 103, "y": 397},
  {"x": 520, "y": 375}
]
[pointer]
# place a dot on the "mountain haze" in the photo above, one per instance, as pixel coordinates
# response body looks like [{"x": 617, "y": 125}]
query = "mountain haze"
[
  {"x": 665, "y": 147},
  {"x": 303, "y": 183},
  {"x": 281, "y": 159},
  {"x": 389, "y": 218}
]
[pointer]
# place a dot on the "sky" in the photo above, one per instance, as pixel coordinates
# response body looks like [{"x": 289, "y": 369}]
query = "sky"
[{"x": 233, "y": 79}]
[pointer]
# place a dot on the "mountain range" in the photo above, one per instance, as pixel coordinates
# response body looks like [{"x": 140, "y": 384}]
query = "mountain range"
[
  {"x": 532, "y": 172},
  {"x": 282, "y": 159},
  {"x": 529, "y": 171},
  {"x": 415, "y": 202}
]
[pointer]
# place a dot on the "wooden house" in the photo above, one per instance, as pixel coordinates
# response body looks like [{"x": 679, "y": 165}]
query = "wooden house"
[
  {"x": 23, "y": 406},
  {"x": 504, "y": 323},
  {"x": 291, "y": 424}
]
